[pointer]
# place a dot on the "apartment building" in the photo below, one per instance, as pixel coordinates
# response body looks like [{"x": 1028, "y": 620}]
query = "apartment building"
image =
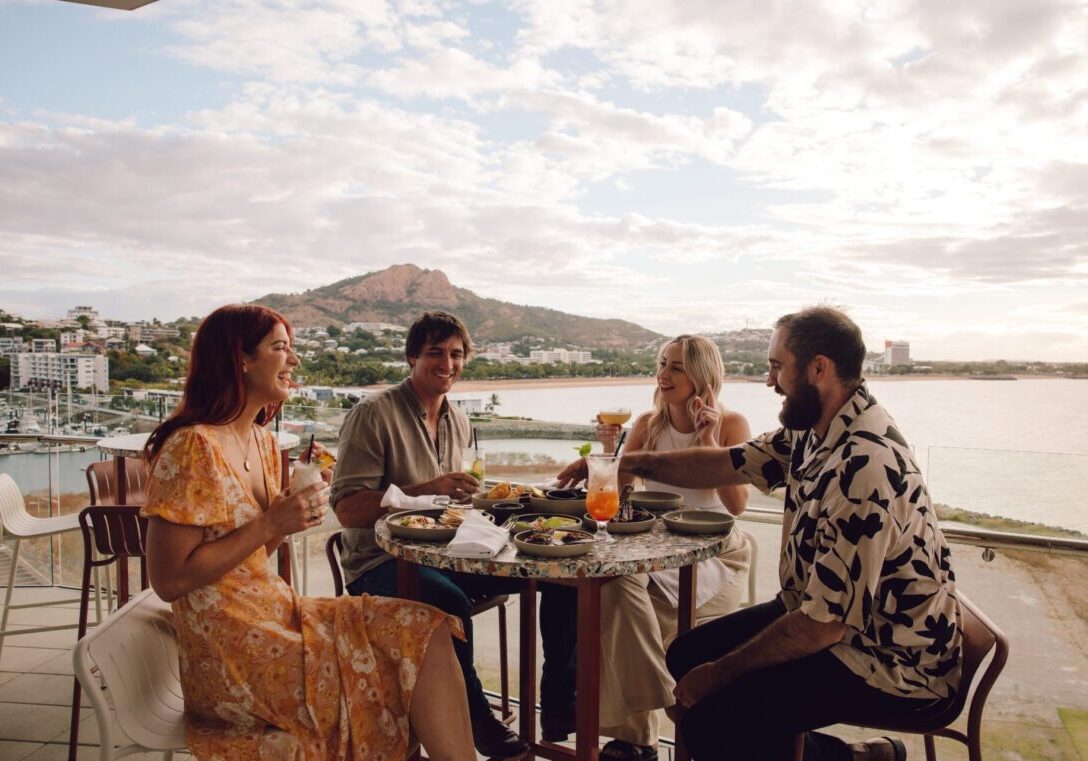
[
  {"x": 563, "y": 356},
  {"x": 64, "y": 370}
]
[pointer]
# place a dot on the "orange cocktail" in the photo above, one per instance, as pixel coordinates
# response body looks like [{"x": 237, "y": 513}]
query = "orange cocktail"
[
  {"x": 602, "y": 491},
  {"x": 602, "y": 505}
]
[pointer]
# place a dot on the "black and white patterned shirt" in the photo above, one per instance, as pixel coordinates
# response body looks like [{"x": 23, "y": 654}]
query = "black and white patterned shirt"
[{"x": 864, "y": 547}]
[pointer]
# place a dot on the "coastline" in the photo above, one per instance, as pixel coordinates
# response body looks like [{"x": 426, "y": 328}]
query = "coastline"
[{"x": 648, "y": 380}]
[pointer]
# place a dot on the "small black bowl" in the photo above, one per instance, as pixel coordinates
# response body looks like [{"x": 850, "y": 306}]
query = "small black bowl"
[
  {"x": 504, "y": 511},
  {"x": 566, "y": 493}
]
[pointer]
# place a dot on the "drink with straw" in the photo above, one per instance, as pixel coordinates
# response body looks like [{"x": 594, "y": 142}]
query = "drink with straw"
[
  {"x": 602, "y": 492},
  {"x": 473, "y": 459}
]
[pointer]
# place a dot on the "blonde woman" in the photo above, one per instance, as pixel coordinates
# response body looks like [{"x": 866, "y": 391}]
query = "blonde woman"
[{"x": 639, "y": 612}]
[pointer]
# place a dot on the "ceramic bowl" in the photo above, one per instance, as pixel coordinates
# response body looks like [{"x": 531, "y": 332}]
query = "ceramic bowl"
[
  {"x": 554, "y": 550},
  {"x": 561, "y": 502},
  {"x": 698, "y": 522},
  {"x": 617, "y": 527},
  {"x": 437, "y": 533},
  {"x": 656, "y": 501}
]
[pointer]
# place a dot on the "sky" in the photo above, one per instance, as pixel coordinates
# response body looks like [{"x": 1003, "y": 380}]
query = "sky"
[{"x": 690, "y": 166}]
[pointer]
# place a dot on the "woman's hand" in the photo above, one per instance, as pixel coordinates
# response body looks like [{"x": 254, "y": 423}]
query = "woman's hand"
[
  {"x": 708, "y": 420},
  {"x": 608, "y": 435},
  {"x": 290, "y": 512}
]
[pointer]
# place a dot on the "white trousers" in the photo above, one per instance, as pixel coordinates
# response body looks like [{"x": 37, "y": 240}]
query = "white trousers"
[{"x": 637, "y": 624}]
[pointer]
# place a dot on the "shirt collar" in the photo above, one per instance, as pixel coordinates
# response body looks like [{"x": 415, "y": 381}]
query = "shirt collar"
[
  {"x": 843, "y": 421},
  {"x": 417, "y": 405}
]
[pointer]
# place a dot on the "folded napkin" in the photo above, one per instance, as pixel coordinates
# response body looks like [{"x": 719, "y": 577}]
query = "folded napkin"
[
  {"x": 395, "y": 499},
  {"x": 477, "y": 537}
]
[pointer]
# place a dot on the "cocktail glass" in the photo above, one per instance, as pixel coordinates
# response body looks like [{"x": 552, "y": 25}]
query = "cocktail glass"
[
  {"x": 614, "y": 415},
  {"x": 473, "y": 459},
  {"x": 602, "y": 492}
]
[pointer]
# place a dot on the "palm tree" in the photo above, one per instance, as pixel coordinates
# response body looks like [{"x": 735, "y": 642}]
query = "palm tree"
[{"x": 492, "y": 403}]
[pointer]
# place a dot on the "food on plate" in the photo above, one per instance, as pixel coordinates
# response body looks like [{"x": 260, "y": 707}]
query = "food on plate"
[
  {"x": 418, "y": 521},
  {"x": 507, "y": 490},
  {"x": 452, "y": 517},
  {"x": 545, "y": 522},
  {"x": 637, "y": 515},
  {"x": 557, "y": 537}
]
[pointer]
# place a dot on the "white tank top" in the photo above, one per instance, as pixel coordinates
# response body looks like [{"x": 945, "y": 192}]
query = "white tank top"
[{"x": 700, "y": 499}]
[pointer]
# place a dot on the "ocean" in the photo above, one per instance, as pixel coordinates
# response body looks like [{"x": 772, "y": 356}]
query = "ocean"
[{"x": 1017, "y": 449}]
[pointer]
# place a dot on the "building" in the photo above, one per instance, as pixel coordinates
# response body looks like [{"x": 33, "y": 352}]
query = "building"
[
  {"x": 896, "y": 353},
  {"x": 377, "y": 328},
  {"x": 142, "y": 331},
  {"x": 556, "y": 356},
  {"x": 77, "y": 336},
  {"x": 144, "y": 350},
  {"x": 63, "y": 370},
  {"x": 83, "y": 311},
  {"x": 38, "y": 345},
  {"x": 12, "y": 346}
]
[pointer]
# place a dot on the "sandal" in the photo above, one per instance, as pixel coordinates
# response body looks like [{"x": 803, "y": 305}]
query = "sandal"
[{"x": 621, "y": 750}]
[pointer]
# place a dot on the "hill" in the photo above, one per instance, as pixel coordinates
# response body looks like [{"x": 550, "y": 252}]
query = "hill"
[{"x": 398, "y": 294}]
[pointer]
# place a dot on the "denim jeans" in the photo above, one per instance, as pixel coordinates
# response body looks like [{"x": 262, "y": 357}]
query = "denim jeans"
[{"x": 452, "y": 593}]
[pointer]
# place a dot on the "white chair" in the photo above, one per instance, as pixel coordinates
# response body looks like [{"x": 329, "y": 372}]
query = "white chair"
[
  {"x": 17, "y": 523},
  {"x": 128, "y": 666}
]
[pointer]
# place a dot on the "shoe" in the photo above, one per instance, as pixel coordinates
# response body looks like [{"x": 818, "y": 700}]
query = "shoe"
[
  {"x": 555, "y": 726},
  {"x": 882, "y": 749},
  {"x": 492, "y": 738},
  {"x": 621, "y": 750}
]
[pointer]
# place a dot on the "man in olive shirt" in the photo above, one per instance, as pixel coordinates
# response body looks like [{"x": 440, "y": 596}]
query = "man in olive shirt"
[{"x": 411, "y": 436}]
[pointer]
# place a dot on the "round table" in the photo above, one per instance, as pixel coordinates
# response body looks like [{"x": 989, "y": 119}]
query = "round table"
[{"x": 654, "y": 550}]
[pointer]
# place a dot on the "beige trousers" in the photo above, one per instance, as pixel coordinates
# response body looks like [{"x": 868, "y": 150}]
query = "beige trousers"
[{"x": 637, "y": 624}]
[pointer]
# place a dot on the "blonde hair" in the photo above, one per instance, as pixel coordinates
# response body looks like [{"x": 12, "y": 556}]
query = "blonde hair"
[{"x": 703, "y": 366}]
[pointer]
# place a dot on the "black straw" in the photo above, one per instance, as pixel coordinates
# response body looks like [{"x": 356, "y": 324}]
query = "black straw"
[
  {"x": 310, "y": 449},
  {"x": 623, "y": 437},
  {"x": 475, "y": 441}
]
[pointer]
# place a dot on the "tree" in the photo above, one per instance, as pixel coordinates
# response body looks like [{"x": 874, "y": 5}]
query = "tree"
[{"x": 493, "y": 403}]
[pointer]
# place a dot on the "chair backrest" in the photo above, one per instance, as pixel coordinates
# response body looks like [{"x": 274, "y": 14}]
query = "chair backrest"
[
  {"x": 334, "y": 547},
  {"x": 114, "y": 531},
  {"x": 13, "y": 515},
  {"x": 980, "y": 636},
  {"x": 102, "y": 481},
  {"x": 135, "y": 651}
]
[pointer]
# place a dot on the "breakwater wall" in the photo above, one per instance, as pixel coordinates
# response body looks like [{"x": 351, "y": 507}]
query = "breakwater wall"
[{"x": 503, "y": 428}]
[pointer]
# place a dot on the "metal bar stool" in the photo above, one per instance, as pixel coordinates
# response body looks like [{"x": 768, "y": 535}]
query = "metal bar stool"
[{"x": 17, "y": 523}]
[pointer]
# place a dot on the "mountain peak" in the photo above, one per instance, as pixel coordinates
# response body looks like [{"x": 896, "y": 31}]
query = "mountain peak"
[{"x": 398, "y": 294}]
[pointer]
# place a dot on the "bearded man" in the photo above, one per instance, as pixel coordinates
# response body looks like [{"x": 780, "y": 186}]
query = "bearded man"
[{"x": 866, "y": 626}]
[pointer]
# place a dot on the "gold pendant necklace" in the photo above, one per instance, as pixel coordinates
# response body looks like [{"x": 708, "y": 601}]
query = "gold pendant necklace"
[{"x": 249, "y": 443}]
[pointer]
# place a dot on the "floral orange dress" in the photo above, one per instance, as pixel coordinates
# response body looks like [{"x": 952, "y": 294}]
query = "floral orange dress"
[{"x": 335, "y": 674}]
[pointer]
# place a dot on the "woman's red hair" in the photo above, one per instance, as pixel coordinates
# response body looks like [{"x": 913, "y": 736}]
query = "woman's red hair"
[{"x": 215, "y": 390}]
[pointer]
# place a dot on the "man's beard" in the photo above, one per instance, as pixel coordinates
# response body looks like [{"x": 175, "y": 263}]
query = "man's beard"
[{"x": 803, "y": 410}]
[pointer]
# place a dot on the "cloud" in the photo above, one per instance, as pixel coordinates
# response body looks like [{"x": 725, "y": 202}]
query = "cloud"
[{"x": 897, "y": 157}]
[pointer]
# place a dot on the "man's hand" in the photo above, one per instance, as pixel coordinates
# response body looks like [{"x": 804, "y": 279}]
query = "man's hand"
[
  {"x": 572, "y": 474},
  {"x": 456, "y": 486},
  {"x": 697, "y": 684}
]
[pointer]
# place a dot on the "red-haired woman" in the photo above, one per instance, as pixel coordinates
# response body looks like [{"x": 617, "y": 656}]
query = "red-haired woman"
[{"x": 339, "y": 678}]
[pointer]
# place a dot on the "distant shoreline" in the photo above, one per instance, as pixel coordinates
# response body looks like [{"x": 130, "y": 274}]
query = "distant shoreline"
[{"x": 636, "y": 380}]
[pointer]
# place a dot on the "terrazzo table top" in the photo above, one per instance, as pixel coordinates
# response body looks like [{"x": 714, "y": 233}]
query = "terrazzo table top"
[{"x": 654, "y": 550}]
